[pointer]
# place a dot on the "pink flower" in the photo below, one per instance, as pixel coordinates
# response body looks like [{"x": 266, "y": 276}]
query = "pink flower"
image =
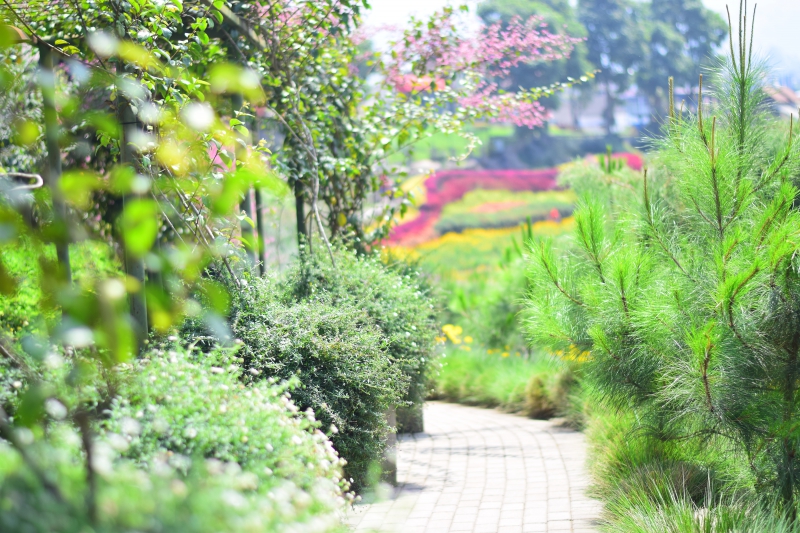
[{"x": 442, "y": 55}]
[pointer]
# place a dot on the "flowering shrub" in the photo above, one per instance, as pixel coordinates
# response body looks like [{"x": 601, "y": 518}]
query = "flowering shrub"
[
  {"x": 337, "y": 355},
  {"x": 441, "y": 56},
  {"x": 175, "y": 407},
  {"x": 213, "y": 496}
]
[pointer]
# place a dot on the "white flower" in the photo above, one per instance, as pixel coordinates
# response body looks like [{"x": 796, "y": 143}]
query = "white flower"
[
  {"x": 55, "y": 409},
  {"x": 129, "y": 426},
  {"x": 198, "y": 116}
]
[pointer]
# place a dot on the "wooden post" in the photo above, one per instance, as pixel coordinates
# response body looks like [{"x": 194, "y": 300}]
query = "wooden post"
[
  {"x": 134, "y": 266},
  {"x": 389, "y": 463},
  {"x": 248, "y": 232},
  {"x": 262, "y": 251},
  {"x": 47, "y": 84}
]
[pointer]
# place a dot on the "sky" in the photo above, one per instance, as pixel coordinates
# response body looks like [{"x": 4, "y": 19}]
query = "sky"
[{"x": 777, "y": 28}]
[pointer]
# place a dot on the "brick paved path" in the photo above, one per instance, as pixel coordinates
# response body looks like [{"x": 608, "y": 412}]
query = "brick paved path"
[{"x": 480, "y": 470}]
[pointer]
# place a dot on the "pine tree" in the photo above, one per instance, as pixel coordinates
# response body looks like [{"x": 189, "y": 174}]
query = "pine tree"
[{"x": 689, "y": 298}]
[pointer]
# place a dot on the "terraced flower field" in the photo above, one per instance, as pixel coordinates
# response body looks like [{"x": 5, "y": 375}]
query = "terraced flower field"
[{"x": 467, "y": 219}]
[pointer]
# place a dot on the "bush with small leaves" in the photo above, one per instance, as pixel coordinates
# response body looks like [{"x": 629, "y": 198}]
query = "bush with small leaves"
[
  {"x": 178, "y": 407},
  {"x": 198, "y": 496},
  {"x": 336, "y": 353},
  {"x": 397, "y": 299}
]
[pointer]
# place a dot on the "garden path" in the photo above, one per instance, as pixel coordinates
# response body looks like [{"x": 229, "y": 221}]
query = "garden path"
[{"x": 478, "y": 470}]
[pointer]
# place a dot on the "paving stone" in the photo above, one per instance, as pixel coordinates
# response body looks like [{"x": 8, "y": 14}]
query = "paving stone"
[{"x": 482, "y": 471}]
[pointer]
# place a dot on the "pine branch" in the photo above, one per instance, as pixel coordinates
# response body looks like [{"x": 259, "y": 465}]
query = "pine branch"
[
  {"x": 652, "y": 225},
  {"x": 554, "y": 278}
]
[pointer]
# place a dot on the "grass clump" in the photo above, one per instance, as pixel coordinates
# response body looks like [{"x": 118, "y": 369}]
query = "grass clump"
[
  {"x": 654, "y": 484},
  {"x": 538, "y": 387}
]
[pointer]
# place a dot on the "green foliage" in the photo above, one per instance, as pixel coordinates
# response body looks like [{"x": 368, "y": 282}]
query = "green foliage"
[
  {"x": 396, "y": 297},
  {"x": 687, "y": 302},
  {"x": 338, "y": 356},
  {"x": 212, "y": 497},
  {"x": 22, "y": 311},
  {"x": 171, "y": 404},
  {"x": 654, "y": 485},
  {"x": 487, "y": 304},
  {"x": 535, "y": 386}
]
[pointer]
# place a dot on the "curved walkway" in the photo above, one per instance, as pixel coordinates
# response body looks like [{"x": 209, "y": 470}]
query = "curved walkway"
[{"x": 480, "y": 470}]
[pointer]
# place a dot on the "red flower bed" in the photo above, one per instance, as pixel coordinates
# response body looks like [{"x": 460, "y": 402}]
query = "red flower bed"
[{"x": 451, "y": 185}]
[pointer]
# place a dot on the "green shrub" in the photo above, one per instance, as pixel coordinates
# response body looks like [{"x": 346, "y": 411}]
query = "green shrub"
[
  {"x": 396, "y": 299},
  {"x": 336, "y": 353},
  {"x": 650, "y": 483},
  {"x": 170, "y": 403},
  {"x": 23, "y": 311},
  {"x": 213, "y": 496}
]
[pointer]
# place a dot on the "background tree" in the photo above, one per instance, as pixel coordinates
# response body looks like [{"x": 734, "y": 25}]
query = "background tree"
[
  {"x": 561, "y": 18},
  {"x": 616, "y": 46},
  {"x": 682, "y": 37}
]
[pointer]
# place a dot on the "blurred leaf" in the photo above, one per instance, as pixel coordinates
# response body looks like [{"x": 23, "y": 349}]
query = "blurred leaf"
[
  {"x": 230, "y": 78},
  {"x": 233, "y": 187},
  {"x": 137, "y": 55},
  {"x": 216, "y": 296},
  {"x": 121, "y": 179},
  {"x": 7, "y": 282},
  {"x": 77, "y": 187},
  {"x": 25, "y": 132},
  {"x": 161, "y": 308},
  {"x": 31, "y": 406},
  {"x": 139, "y": 225}
]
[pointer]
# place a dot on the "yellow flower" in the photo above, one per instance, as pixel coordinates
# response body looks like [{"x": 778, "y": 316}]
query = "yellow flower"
[
  {"x": 574, "y": 354},
  {"x": 468, "y": 339},
  {"x": 504, "y": 354},
  {"x": 453, "y": 333}
]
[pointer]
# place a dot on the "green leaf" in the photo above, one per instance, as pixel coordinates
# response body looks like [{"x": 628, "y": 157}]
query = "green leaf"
[
  {"x": 77, "y": 187},
  {"x": 139, "y": 225},
  {"x": 216, "y": 296}
]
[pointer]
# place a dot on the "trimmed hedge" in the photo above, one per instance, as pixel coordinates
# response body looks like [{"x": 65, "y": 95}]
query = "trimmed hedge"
[
  {"x": 398, "y": 301},
  {"x": 338, "y": 356}
]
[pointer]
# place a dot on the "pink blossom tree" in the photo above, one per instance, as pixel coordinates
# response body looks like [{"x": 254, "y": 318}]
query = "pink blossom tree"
[{"x": 443, "y": 62}]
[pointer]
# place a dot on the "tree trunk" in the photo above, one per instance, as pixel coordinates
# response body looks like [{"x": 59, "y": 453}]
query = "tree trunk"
[
  {"x": 248, "y": 233},
  {"x": 47, "y": 82},
  {"x": 262, "y": 252},
  {"x": 300, "y": 210},
  {"x": 134, "y": 266}
]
